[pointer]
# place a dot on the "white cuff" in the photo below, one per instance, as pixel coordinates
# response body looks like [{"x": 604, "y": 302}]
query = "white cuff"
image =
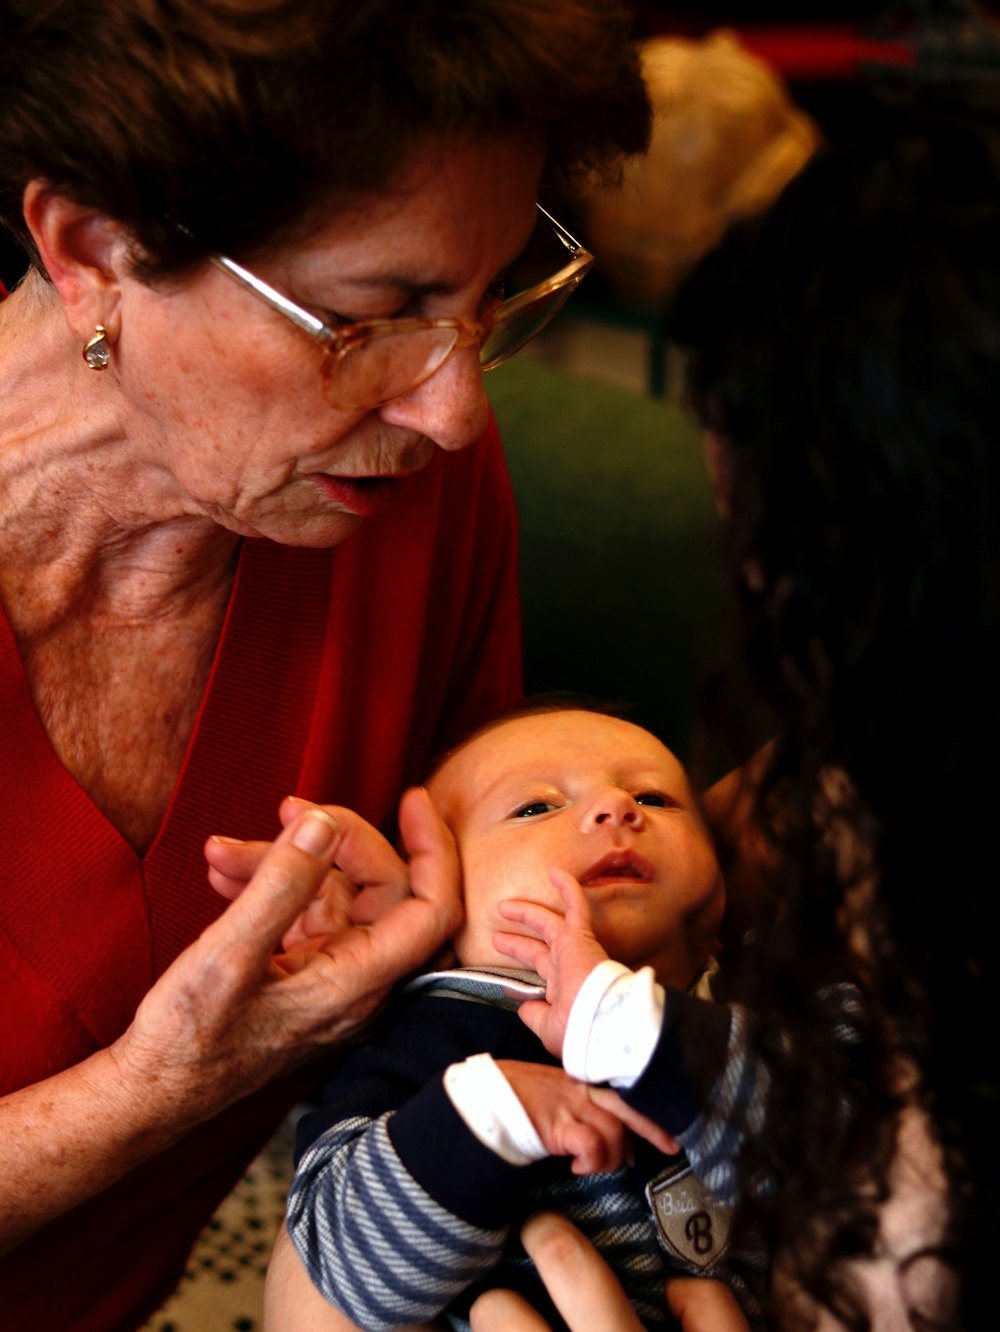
[
  {"x": 491, "y": 1110},
  {"x": 614, "y": 1025}
]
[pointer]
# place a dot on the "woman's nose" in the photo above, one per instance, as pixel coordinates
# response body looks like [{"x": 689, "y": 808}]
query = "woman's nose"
[
  {"x": 613, "y": 807},
  {"x": 450, "y": 408}
]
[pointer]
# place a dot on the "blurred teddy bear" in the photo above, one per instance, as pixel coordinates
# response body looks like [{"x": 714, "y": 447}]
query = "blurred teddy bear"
[{"x": 726, "y": 139}]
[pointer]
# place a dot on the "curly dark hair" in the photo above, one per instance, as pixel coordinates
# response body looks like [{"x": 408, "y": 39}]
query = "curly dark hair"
[
  {"x": 251, "y": 121},
  {"x": 845, "y": 348}
]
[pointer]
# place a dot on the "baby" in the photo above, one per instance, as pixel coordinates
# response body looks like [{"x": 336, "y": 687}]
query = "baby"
[{"x": 580, "y": 841}]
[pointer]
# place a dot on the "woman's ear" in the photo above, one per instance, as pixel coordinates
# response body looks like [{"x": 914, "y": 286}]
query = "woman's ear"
[{"x": 84, "y": 254}]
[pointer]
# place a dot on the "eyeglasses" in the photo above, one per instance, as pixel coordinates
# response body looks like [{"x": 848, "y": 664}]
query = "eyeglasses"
[{"x": 375, "y": 360}]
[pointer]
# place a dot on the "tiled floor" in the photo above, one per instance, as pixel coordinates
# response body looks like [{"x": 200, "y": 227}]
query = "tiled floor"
[{"x": 223, "y": 1285}]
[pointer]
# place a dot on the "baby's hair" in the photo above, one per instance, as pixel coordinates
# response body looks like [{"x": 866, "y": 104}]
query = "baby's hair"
[{"x": 538, "y": 705}]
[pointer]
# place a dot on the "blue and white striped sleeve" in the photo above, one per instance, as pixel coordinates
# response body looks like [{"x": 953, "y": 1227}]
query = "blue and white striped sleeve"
[{"x": 376, "y": 1244}]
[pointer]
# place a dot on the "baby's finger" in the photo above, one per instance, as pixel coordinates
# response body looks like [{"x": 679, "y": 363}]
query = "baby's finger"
[
  {"x": 596, "y": 1146},
  {"x": 522, "y": 948},
  {"x": 644, "y": 1128},
  {"x": 578, "y": 912},
  {"x": 371, "y": 903},
  {"x": 540, "y": 920},
  {"x": 534, "y": 1013}
]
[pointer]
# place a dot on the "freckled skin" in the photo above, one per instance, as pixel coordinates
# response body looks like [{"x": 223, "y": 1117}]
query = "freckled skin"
[
  {"x": 235, "y": 414},
  {"x": 118, "y": 530}
]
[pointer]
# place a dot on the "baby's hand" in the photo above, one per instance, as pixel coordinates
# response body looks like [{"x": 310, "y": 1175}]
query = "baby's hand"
[
  {"x": 564, "y": 953},
  {"x": 566, "y": 1117}
]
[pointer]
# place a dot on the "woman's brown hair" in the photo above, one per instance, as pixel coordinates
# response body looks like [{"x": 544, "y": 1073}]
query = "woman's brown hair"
[{"x": 250, "y": 121}]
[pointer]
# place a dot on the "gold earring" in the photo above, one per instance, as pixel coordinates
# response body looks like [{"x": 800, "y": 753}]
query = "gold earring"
[{"x": 97, "y": 352}]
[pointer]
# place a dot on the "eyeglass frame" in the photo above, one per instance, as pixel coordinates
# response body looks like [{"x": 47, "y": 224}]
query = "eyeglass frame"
[{"x": 339, "y": 341}]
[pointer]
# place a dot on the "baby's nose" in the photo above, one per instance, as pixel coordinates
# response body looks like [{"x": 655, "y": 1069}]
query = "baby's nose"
[{"x": 613, "y": 807}]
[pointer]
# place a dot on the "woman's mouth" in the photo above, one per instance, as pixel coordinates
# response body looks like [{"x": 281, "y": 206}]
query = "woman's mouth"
[
  {"x": 618, "y": 867},
  {"x": 360, "y": 495}
]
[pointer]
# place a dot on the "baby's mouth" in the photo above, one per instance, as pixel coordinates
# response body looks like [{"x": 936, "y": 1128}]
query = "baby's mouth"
[{"x": 618, "y": 867}]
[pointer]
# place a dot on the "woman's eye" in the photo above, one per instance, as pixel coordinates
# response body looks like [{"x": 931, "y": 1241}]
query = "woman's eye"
[
  {"x": 651, "y": 798},
  {"x": 496, "y": 293},
  {"x": 331, "y": 318},
  {"x": 533, "y": 809}
]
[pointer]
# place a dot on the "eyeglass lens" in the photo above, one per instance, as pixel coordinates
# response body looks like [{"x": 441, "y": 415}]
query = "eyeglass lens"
[
  {"x": 512, "y": 331},
  {"x": 373, "y": 372}
]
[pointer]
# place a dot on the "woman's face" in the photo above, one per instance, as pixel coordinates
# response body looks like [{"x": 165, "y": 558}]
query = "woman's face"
[{"x": 226, "y": 395}]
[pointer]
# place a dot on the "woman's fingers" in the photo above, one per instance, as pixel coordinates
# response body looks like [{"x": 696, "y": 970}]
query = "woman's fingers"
[
  {"x": 704, "y": 1305},
  {"x": 231, "y": 1011},
  {"x": 435, "y": 875},
  {"x": 503, "y": 1311},
  {"x": 362, "y": 852},
  {"x": 232, "y": 863},
  {"x": 286, "y": 880},
  {"x": 582, "y": 1286},
  {"x": 329, "y": 912},
  {"x": 433, "y": 906}
]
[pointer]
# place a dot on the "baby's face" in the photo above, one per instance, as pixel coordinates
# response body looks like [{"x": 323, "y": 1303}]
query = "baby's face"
[{"x": 603, "y": 800}]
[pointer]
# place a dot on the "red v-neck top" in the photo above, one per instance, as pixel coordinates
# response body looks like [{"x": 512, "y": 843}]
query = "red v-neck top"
[{"x": 337, "y": 674}]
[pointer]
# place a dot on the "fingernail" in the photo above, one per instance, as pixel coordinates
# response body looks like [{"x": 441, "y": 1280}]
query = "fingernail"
[
  {"x": 226, "y": 841},
  {"x": 315, "y": 832}
]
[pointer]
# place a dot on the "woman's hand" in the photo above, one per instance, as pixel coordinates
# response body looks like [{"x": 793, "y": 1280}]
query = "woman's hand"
[
  {"x": 378, "y": 878},
  {"x": 229, "y": 1014},
  {"x": 704, "y": 1305},
  {"x": 587, "y": 1293},
  {"x": 582, "y": 1286},
  {"x": 231, "y": 1010},
  {"x": 293, "y": 1304}
]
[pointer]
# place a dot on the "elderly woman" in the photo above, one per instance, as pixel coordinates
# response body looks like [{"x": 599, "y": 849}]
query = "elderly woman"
[{"x": 255, "y": 538}]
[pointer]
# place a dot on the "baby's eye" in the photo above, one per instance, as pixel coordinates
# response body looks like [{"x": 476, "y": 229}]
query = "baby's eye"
[
  {"x": 651, "y": 798},
  {"x": 533, "y": 809}
]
